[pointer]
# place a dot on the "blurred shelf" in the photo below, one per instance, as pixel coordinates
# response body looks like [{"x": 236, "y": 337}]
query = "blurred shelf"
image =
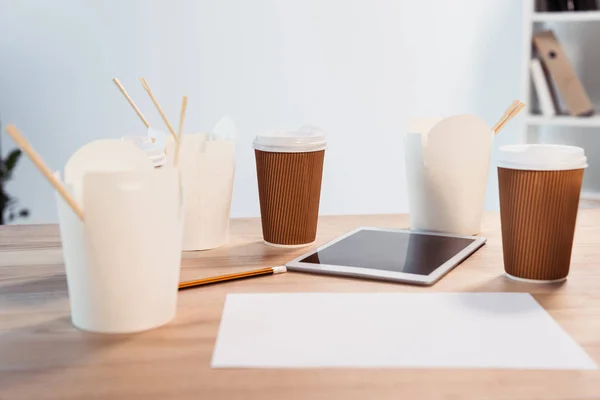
[
  {"x": 566, "y": 16},
  {"x": 589, "y": 199},
  {"x": 564, "y": 120}
]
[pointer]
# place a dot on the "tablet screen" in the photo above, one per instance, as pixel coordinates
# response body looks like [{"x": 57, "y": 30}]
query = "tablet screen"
[{"x": 410, "y": 253}]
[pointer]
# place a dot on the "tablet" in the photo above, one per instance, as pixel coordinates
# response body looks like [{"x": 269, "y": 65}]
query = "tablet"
[{"x": 420, "y": 258}]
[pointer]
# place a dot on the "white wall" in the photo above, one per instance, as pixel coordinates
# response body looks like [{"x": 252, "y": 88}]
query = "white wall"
[{"x": 357, "y": 68}]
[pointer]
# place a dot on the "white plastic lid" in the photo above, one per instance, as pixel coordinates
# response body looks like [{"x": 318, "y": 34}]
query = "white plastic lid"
[
  {"x": 542, "y": 157},
  {"x": 305, "y": 139}
]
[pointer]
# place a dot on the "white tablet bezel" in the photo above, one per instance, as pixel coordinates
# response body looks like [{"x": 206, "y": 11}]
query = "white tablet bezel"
[{"x": 433, "y": 277}]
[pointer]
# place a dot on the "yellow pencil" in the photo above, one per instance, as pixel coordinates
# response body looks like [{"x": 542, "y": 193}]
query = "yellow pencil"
[{"x": 231, "y": 277}]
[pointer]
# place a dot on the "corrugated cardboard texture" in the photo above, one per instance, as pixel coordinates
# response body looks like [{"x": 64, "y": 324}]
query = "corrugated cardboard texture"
[
  {"x": 538, "y": 213},
  {"x": 289, "y": 187}
]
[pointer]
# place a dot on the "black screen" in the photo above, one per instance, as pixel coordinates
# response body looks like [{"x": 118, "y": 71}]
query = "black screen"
[{"x": 391, "y": 251}]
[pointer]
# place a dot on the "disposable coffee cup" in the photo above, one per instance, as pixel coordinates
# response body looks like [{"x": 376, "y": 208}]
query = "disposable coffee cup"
[
  {"x": 539, "y": 189},
  {"x": 289, "y": 166}
]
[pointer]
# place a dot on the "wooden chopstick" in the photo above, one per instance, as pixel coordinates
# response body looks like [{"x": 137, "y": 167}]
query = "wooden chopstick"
[
  {"x": 130, "y": 100},
  {"x": 514, "y": 105},
  {"x": 508, "y": 119},
  {"x": 231, "y": 277},
  {"x": 158, "y": 107},
  {"x": 515, "y": 108},
  {"x": 20, "y": 140},
  {"x": 510, "y": 116},
  {"x": 180, "y": 129}
]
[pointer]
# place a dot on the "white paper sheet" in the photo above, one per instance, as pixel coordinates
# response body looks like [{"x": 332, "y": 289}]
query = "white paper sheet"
[{"x": 412, "y": 330}]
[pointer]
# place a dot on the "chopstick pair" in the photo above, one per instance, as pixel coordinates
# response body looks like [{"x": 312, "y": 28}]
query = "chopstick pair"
[
  {"x": 231, "y": 277},
  {"x": 515, "y": 108},
  {"x": 176, "y": 136}
]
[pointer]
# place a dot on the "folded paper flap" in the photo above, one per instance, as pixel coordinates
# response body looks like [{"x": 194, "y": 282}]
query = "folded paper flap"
[
  {"x": 105, "y": 155},
  {"x": 160, "y": 138},
  {"x": 109, "y": 155},
  {"x": 151, "y": 149},
  {"x": 415, "y": 144},
  {"x": 153, "y": 145},
  {"x": 461, "y": 140},
  {"x": 127, "y": 190},
  {"x": 199, "y": 156},
  {"x": 422, "y": 127},
  {"x": 225, "y": 129}
]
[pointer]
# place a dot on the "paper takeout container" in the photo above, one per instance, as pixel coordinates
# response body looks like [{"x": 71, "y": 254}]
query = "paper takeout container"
[
  {"x": 123, "y": 261},
  {"x": 447, "y": 164},
  {"x": 207, "y": 169}
]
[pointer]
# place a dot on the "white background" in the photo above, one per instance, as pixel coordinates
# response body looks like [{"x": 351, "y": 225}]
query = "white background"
[{"x": 356, "y": 68}]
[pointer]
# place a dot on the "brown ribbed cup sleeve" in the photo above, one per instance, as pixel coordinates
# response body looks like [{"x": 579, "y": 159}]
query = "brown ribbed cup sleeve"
[
  {"x": 289, "y": 188},
  {"x": 538, "y": 211}
]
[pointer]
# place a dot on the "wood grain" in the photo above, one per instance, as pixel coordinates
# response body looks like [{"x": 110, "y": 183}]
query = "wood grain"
[{"x": 43, "y": 357}]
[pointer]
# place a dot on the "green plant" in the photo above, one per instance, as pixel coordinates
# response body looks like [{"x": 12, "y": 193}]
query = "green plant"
[{"x": 8, "y": 204}]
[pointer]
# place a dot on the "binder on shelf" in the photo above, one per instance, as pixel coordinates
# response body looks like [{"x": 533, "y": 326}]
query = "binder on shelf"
[
  {"x": 567, "y": 83},
  {"x": 546, "y": 100}
]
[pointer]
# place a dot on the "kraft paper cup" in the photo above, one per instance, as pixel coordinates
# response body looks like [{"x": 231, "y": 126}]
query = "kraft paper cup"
[
  {"x": 207, "y": 169},
  {"x": 539, "y": 189},
  {"x": 123, "y": 261},
  {"x": 289, "y": 166}
]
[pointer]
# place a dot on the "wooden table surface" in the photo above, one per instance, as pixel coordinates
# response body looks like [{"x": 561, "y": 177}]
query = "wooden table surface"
[{"x": 43, "y": 357}]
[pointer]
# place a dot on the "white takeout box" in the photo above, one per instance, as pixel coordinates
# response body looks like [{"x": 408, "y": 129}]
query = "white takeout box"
[
  {"x": 207, "y": 169},
  {"x": 447, "y": 164},
  {"x": 123, "y": 261}
]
